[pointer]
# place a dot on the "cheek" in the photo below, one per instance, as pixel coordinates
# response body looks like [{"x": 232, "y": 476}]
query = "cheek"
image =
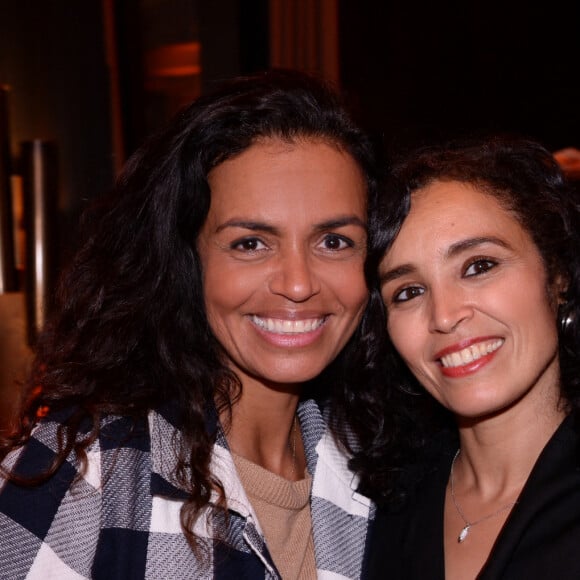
[
  {"x": 405, "y": 339},
  {"x": 213, "y": 289},
  {"x": 351, "y": 283},
  {"x": 344, "y": 283},
  {"x": 538, "y": 316},
  {"x": 357, "y": 295},
  {"x": 221, "y": 297},
  {"x": 525, "y": 303},
  {"x": 225, "y": 286}
]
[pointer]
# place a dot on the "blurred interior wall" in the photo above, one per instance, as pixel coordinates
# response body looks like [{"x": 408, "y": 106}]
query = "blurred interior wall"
[
  {"x": 14, "y": 353},
  {"x": 53, "y": 61},
  {"x": 304, "y": 35}
]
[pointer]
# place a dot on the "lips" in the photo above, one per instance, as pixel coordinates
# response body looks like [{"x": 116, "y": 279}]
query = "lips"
[
  {"x": 285, "y": 326},
  {"x": 471, "y": 353}
]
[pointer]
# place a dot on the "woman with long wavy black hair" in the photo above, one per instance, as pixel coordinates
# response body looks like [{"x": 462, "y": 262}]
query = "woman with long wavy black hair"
[{"x": 197, "y": 397}]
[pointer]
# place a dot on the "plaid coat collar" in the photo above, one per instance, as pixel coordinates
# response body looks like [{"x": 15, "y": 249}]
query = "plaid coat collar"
[{"x": 340, "y": 515}]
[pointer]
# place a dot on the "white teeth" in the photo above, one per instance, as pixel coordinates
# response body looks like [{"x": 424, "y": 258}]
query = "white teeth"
[
  {"x": 471, "y": 353},
  {"x": 287, "y": 326}
]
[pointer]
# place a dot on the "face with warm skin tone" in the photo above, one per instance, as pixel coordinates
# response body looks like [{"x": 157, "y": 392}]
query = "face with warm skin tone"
[
  {"x": 282, "y": 253},
  {"x": 468, "y": 304}
]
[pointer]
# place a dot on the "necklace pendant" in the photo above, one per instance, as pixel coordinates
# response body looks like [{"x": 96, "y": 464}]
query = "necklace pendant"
[{"x": 463, "y": 534}]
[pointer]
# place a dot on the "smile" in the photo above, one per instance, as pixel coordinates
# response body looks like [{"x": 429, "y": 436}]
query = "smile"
[
  {"x": 278, "y": 326},
  {"x": 470, "y": 354}
]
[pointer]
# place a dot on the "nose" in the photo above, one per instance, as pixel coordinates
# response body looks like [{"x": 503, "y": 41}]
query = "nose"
[
  {"x": 295, "y": 276},
  {"x": 449, "y": 307}
]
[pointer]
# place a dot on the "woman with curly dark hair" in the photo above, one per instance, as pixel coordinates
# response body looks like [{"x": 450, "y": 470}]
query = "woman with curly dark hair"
[
  {"x": 480, "y": 276},
  {"x": 196, "y": 399}
]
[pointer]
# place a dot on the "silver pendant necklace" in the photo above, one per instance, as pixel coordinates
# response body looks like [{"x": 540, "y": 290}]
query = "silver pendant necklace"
[{"x": 468, "y": 525}]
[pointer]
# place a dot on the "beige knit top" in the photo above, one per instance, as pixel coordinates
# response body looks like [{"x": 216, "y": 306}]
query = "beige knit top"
[{"x": 283, "y": 510}]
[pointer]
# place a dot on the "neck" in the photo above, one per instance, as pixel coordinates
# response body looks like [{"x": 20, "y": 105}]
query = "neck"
[
  {"x": 264, "y": 430},
  {"x": 498, "y": 453}
]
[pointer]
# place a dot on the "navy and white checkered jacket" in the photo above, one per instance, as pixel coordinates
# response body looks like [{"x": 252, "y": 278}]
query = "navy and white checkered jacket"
[{"x": 120, "y": 520}]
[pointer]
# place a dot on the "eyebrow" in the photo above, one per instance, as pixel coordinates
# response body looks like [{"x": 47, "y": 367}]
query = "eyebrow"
[
  {"x": 247, "y": 225},
  {"x": 463, "y": 245},
  {"x": 453, "y": 250},
  {"x": 257, "y": 226},
  {"x": 340, "y": 222}
]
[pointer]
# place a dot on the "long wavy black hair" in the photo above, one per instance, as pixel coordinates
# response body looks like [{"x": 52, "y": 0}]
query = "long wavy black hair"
[
  {"x": 524, "y": 177},
  {"x": 130, "y": 329}
]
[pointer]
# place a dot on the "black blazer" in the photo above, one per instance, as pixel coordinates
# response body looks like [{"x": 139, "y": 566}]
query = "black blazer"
[{"x": 540, "y": 540}]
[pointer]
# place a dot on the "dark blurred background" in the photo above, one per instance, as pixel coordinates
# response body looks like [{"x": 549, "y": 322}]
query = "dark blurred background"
[
  {"x": 83, "y": 83},
  {"x": 97, "y": 76}
]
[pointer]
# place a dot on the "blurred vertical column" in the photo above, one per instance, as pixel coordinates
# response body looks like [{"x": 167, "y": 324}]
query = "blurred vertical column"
[
  {"x": 39, "y": 185},
  {"x": 8, "y": 279},
  {"x": 14, "y": 352},
  {"x": 305, "y": 36}
]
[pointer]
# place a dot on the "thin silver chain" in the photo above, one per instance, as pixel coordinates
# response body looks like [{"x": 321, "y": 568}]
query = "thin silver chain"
[{"x": 468, "y": 525}]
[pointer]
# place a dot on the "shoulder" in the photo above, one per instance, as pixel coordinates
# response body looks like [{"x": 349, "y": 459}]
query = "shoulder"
[
  {"x": 47, "y": 440},
  {"x": 48, "y": 445},
  {"x": 46, "y": 507}
]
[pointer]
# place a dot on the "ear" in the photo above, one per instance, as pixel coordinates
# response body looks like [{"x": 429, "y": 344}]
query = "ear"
[{"x": 559, "y": 288}]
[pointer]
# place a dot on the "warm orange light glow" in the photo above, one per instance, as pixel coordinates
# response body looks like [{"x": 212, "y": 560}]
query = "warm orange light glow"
[{"x": 174, "y": 60}]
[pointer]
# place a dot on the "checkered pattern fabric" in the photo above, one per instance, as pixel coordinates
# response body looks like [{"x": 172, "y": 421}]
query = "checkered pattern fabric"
[{"x": 120, "y": 520}]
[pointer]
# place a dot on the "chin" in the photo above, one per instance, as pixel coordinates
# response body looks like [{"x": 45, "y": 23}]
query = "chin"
[
  {"x": 477, "y": 412},
  {"x": 292, "y": 378}
]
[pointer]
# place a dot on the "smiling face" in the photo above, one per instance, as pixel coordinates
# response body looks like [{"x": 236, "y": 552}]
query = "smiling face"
[
  {"x": 282, "y": 254},
  {"x": 468, "y": 302}
]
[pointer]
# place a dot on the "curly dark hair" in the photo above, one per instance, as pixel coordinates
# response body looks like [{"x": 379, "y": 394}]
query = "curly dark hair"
[
  {"x": 524, "y": 177},
  {"x": 130, "y": 329}
]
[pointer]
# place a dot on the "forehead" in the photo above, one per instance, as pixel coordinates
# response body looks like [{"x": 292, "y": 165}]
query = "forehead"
[
  {"x": 440, "y": 197},
  {"x": 278, "y": 176},
  {"x": 445, "y": 212}
]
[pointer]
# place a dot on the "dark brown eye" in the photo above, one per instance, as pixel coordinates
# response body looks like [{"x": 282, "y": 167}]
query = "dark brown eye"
[
  {"x": 408, "y": 293},
  {"x": 335, "y": 242},
  {"x": 248, "y": 245},
  {"x": 480, "y": 266}
]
